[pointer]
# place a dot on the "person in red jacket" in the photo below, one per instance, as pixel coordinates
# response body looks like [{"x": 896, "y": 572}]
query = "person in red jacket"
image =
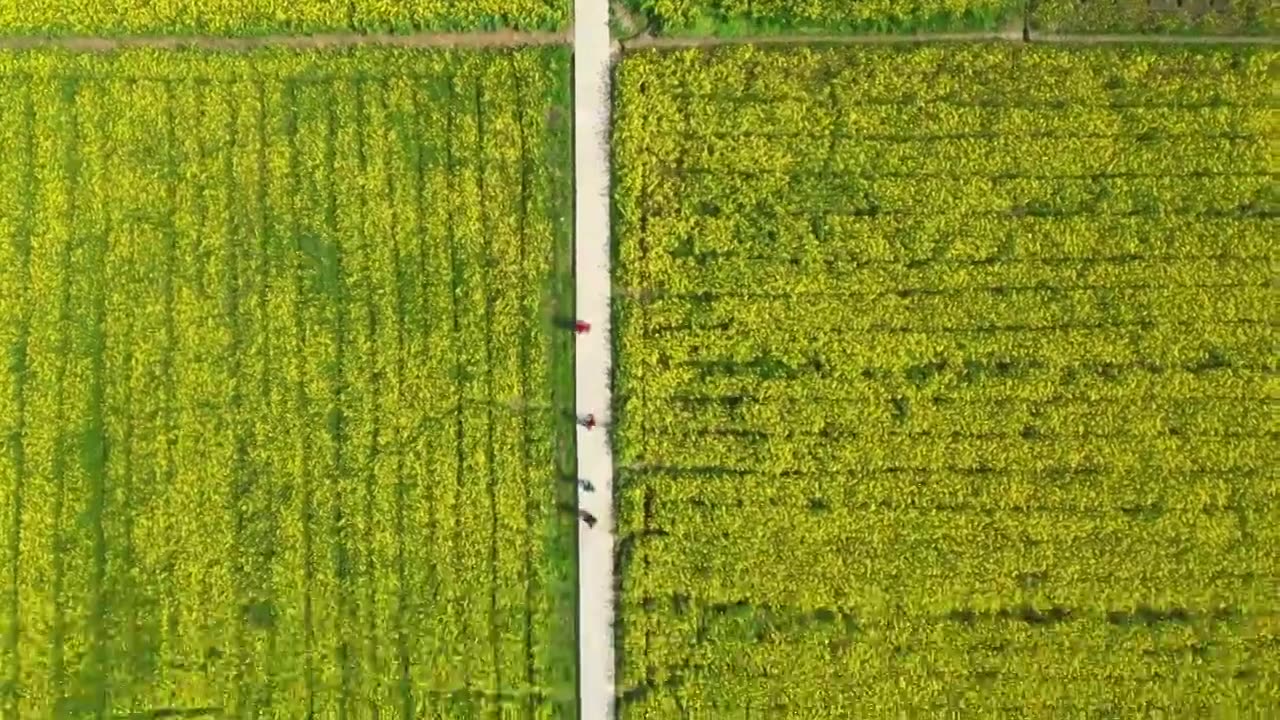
[
  {"x": 582, "y": 328},
  {"x": 589, "y": 421}
]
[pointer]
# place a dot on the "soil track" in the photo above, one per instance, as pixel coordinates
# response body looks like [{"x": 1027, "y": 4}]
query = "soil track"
[
  {"x": 662, "y": 41},
  {"x": 515, "y": 39},
  {"x": 498, "y": 39}
]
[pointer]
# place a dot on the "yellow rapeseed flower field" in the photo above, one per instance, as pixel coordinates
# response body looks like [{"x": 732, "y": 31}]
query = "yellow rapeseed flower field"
[
  {"x": 275, "y": 397},
  {"x": 947, "y": 380},
  {"x": 251, "y": 17}
]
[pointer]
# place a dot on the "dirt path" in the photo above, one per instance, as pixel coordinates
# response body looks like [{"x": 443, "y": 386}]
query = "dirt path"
[
  {"x": 593, "y": 51},
  {"x": 643, "y": 40},
  {"x": 500, "y": 39},
  {"x": 661, "y": 41}
]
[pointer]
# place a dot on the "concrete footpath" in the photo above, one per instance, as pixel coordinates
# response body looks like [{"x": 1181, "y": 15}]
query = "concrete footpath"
[{"x": 592, "y": 58}]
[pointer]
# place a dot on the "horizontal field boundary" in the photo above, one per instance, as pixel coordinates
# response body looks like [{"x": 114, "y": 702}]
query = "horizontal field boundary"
[
  {"x": 678, "y": 42},
  {"x": 461, "y": 40},
  {"x": 1018, "y": 36},
  {"x": 514, "y": 39}
]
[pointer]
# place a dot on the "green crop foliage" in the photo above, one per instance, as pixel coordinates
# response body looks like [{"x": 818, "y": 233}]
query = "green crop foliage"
[
  {"x": 253, "y": 17},
  {"x": 946, "y": 382},
  {"x": 276, "y": 400},
  {"x": 1209, "y": 17},
  {"x": 750, "y": 17}
]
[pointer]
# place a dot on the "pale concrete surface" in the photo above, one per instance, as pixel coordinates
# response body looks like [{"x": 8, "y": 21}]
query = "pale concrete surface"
[{"x": 592, "y": 53}]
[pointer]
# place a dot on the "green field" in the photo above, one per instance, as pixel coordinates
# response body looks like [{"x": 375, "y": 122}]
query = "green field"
[
  {"x": 759, "y": 17},
  {"x": 946, "y": 382},
  {"x": 1207, "y": 17},
  {"x": 769, "y": 17},
  {"x": 254, "y": 17},
  {"x": 277, "y": 408}
]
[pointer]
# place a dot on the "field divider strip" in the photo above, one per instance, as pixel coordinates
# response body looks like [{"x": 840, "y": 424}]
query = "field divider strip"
[
  {"x": 513, "y": 39},
  {"x": 674, "y": 42},
  {"x": 594, "y": 53}
]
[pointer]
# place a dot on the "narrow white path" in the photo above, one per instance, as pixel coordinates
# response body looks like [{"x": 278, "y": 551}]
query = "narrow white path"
[{"x": 592, "y": 59}]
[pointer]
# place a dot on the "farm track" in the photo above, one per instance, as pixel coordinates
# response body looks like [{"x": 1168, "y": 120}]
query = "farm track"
[
  {"x": 673, "y": 42},
  {"x": 513, "y": 39},
  {"x": 594, "y": 56}
]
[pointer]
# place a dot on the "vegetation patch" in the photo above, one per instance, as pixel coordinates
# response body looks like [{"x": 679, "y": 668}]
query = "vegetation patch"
[
  {"x": 946, "y": 382},
  {"x": 763, "y": 17},
  {"x": 256, "y": 17},
  {"x": 277, "y": 401},
  {"x": 1205, "y": 17}
]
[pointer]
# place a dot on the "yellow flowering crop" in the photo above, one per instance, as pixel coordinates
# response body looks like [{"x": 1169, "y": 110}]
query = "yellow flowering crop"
[
  {"x": 275, "y": 397},
  {"x": 249, "y": 17},
  {"x": 947, "y": 382}
]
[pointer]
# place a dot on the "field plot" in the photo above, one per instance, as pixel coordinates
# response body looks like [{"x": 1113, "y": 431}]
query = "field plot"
[
  {"x": 1211, "y": 17},
  {"x": 251, "y": 17},
  {"x": 947, "y": 383},
  {"x": 753, "y": 17},
  {"x": 276, "y": 400}
]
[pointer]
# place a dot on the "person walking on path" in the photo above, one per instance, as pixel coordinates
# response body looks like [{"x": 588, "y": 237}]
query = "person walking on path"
[
  {"x": 582, "y": 328},
  {"x": 589, "y": 421},
  {"x": 587, "y": 518},
  {"x": 586, "y": 485}
]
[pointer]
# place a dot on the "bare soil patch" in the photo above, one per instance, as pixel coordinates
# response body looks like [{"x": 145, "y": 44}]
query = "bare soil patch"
[{"x": 650, "y": 41}]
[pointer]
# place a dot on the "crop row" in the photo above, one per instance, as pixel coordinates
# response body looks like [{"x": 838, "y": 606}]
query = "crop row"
[
  {"x": 765, "y": 16},
  {"x": 277, "y": 403},
  {"x": 1024, "y": 243},
  {"x": 966, "y": 662},
  {"x": 251, "y": 17},
  {"x": 945, "y": 382},
  {"x": 255, "y": 17}
]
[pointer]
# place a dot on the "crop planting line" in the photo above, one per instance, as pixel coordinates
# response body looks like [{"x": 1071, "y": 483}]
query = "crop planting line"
[
  {"x": 1035, "y": 37},
  {"x": 502, "y": 39},
  {"x": 593, "y": 54}
]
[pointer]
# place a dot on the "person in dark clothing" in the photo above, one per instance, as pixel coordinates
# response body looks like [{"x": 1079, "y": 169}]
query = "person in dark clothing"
[
  {"x": 586, "y": 485},
  {"x": 587, "y": 518}
]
